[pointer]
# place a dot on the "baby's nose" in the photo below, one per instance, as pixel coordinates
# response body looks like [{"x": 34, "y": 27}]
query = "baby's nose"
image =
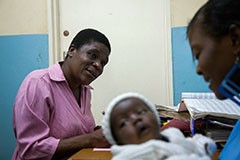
[{"x": 134, "y": 117}]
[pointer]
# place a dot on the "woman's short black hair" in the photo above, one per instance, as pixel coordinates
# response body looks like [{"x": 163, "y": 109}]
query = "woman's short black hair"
[
  {"x": 215, "y": 17},
  {"x": 87, "y": 35}
]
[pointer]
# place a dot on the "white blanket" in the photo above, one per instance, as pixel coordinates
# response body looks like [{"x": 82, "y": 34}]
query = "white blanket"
[{"x": 179, "y": 148}]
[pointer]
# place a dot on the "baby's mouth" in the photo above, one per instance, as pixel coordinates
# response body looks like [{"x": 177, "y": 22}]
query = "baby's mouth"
[{"x": 142, "y": 128}]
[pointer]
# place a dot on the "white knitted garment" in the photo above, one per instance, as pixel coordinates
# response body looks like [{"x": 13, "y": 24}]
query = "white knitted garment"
[
  {"x": 179, "y": 148},
  {"x": 106, "y": 126}
]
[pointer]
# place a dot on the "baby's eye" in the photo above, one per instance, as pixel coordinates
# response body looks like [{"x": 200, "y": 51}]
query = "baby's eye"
[
  {"x": 123, "y": 123},
  {"x": 142, "y": 111}
]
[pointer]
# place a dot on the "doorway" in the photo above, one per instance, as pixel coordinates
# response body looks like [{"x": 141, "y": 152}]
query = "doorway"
[{"x": 140, "y": 37}]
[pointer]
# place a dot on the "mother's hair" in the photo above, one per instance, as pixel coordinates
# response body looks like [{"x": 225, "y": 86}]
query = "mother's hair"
[
  {"x": 216, "y": 16},
  {"x": 87, "y": 35}
]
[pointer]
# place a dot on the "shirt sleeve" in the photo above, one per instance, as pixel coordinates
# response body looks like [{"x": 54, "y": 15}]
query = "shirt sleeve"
[{"x": 32, "y": 116}]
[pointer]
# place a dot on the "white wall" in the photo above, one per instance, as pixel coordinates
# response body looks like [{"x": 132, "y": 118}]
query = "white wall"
[
  {"x": 23, "y": 17},
  {"x": 183, "y": 10}
]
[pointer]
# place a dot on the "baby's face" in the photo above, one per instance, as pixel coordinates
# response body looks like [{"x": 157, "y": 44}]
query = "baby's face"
[{"x": 132, "y": 122}]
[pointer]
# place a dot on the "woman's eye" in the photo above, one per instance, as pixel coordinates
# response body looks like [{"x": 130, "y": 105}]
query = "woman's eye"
[
  {"x": 92, "y": 55},
  {"x": 196, "y": 53},
  {"x": 195, "y": 61},
  {"x": 197, "y": 56}
]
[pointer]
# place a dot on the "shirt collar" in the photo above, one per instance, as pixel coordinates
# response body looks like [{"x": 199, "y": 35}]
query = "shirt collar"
[{"x": 56, "y": 74}]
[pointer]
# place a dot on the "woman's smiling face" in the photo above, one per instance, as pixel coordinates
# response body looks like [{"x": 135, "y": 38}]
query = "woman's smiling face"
[
  {"x": 87, "y": 62},
  {"x": 215, "y": 57},
  {"x": 132, "y": 122}
]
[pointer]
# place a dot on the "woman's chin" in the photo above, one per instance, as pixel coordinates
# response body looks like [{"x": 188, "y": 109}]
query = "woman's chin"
[
  {"x": 215, "y": 88},
  {"x": 219, "y": 95}
]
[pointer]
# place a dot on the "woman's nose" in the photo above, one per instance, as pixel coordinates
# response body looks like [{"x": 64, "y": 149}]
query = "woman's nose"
[{"x": 97, "y": 65}]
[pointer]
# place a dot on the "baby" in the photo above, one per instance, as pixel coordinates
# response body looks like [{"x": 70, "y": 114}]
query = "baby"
[{"x": 132, "y": 125}]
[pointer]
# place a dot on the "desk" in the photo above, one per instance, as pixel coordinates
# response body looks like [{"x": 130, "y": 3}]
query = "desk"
[{"x": 90, "y": 154}]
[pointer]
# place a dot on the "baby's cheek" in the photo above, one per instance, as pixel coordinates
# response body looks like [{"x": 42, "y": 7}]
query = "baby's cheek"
[{"x": 127, "y": 136}]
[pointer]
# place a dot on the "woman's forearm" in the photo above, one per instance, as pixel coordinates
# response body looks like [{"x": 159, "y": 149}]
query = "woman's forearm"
[{"x": 68, "y": 147}]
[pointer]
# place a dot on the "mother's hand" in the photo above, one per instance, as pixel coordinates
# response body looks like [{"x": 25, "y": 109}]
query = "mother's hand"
[{"x": 98, "y": 139}]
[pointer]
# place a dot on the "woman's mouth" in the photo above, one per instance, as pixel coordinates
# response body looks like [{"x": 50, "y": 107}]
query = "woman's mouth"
[
  {"x": 207, "y": 79},
  {"x": 93, "y": 74}
]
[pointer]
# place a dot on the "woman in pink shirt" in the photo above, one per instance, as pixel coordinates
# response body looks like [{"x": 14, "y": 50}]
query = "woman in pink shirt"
[{"x": 52, "y": 116}]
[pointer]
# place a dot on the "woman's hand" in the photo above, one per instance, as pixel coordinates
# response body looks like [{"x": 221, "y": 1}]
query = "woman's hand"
[{"x": 98, "y": 139}]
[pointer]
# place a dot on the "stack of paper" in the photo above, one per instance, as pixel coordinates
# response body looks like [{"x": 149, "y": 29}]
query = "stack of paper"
[{"x": 200, "y": 105}]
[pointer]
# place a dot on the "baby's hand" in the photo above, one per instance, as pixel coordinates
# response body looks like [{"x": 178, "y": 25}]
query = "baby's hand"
[{"x": 205, "y": 143}]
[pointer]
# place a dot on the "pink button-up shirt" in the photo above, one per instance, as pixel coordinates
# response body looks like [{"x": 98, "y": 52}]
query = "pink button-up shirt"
[{"x": 45, "y": 111}]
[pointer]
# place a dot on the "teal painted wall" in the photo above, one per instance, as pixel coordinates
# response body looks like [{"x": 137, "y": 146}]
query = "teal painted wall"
[
  {"x": 185, "y": 78},
  {"x": 19, "y": 55}
]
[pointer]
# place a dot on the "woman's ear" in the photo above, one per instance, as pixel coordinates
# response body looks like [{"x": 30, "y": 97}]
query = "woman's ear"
[
  {"x": 234, "y": 31},
  {"x": 70, "y": 50}
]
